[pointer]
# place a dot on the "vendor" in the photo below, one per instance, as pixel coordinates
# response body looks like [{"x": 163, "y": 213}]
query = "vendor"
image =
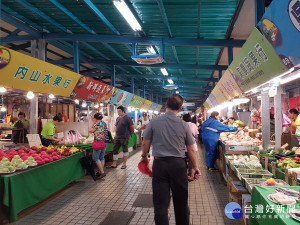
[
  {"x": 211, "y": 129},
  {"x": 49, "y": 131},
  {"x": 239, "y": 123},
  {"x": 293, "y": 116},
  {"x": 19, "y": 136}
]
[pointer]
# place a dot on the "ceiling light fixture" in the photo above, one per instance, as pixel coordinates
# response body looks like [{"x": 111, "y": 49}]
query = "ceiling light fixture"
[
  {"x": 170, "y": 81},
  {"x": 51, "y": 96},
  {"x": 150, "y": 49},
  {"x": 96, "y": 106},
  {"x": 76, "y": 101},
  {"x": 30, "y": 95},
  {"x": 101, "y": 104},
  {"x": 177, "y": 92},
  {"x": 84, "y": 104},
  {"x": 164, "y": 71},
  {"x": 2, "y": 89},
  {"x": 127, "y": 14}
]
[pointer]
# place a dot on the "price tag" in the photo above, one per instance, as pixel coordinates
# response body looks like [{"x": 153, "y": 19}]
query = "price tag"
[{"x": 34, "y": 140}]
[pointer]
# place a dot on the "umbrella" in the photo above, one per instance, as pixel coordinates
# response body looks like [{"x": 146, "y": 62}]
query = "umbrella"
[
  {"x": 143, "y": 167},
  {"x": 88, "y": 164}
]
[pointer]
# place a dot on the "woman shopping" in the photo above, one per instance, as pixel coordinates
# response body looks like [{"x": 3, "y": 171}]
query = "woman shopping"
[
  {"x": 211, "y": 129},
  {"x": 99, "y": 129}
]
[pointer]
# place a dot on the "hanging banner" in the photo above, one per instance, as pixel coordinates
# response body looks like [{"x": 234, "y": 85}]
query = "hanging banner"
[
  {"x": 128, "y": 99},
  {"x": 217, "y": 92},
  {"x": 23, "y": 72},
  {"x": 213, "y": 99},
  {"x": 205, "y": 104},
  {"x": 159, "y": 108},
  {"x": 115, "y": 96},
  {"x": 256, "y": 63},
  {"x": 90, "y": 89},
  {"x": 228, "y": 86},
  {"x": 281, "y": 26},
  {"x": 154, "y": 106},
  {"x": 147, "y": 105},
  {"x": 209, "y": 102},
  {"x": 137, "y": 102}
]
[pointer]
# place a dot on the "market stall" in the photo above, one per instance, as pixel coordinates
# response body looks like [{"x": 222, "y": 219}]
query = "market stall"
[{"x": 24, "y": 189}]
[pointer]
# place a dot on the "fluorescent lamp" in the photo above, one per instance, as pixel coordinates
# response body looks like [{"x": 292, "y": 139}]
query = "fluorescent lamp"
[
  {"x": 2, "y": 89},
  {"x": 170, "y": 81},
  {"x": 30, "y": 95},
  {"x": 76, "y": 101},
  {"x": 127, "y": 14},
  {"x": 291, "y": 77},
  {"x": 150, "y": 49},
  {"x": 177, "y": 92},
  {"x": 239, "y": 101},
  {"x": 156, "y": 112},
  {"x": 3, "y": 109},
  {"x": 164, "y": 71},
  {"x": 84, "y": 104},
  {"x": 96, "y": 106},
  {"x": 51, "y": 96},
  {"x": 101, "y": 104}
]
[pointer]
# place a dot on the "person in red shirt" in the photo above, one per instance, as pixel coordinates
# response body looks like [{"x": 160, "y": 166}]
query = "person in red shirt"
[{"x": 293, "y": 116}]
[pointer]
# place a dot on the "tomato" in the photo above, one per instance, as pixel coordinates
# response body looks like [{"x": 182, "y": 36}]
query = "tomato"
[{"x": 297, "y": 159}]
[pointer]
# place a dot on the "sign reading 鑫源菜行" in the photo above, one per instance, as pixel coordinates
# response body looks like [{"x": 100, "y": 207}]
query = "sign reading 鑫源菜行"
[
  {"x": 256, "y": 63},
  {"x": 19, "y": 71},
  {"x": 281, "y": 26}
]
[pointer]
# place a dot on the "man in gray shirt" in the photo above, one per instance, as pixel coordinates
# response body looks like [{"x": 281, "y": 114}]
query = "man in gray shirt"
[
  {"x": 125, "y": 128},
  {"x": 169, "y": 136}
]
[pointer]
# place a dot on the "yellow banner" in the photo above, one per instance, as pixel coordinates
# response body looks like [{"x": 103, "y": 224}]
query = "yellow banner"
[
  {"x": 147, "y": 105},
  {"x": 19, "y": 71},
  {"x": 228, "y": 86},
  {"x": 217, "y": 92}
]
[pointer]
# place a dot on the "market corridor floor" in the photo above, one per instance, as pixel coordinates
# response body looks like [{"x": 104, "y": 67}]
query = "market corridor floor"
[{"x": 89, "y": 202}]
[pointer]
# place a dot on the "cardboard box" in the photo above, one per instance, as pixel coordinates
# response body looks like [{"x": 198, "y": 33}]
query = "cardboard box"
[
  {"x": 235, "y": 197},
  {"x": 231, "y": 178},
  {"x": 237, "y": 186}
]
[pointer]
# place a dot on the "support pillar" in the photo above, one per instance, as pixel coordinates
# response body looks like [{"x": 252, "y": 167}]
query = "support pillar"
[
  {"x": 259, "y": 10},
  {"x": 38, "y": 50},
  {"x": 265, "y": 111},
  {"x": 157, "y": 98},
  {"x": 132, "y": 85},
  {"x": 144, "y": 91},
  {"x": 113, "y": 78},
  {"x": 230, "y": 55},
  {"x": 76, "y": 56},
  {"x": 278, "y": 119}
]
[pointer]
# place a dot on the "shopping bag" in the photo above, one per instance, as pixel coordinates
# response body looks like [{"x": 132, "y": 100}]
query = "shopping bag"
[{"x": 285, "y": 120}]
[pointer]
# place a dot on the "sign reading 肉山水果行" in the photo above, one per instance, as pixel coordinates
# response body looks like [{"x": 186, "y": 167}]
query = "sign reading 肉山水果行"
[
  {"x": 256, "y": 63},
  {"x": 281, "y": 26},
  {"x": 19, "y": 71}
]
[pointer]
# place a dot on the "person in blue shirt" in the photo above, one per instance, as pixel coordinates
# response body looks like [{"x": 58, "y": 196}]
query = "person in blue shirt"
[{"x": 211, "y": 129}]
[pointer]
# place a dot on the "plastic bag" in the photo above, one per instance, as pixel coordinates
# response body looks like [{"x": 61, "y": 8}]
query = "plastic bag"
[{"x": 285, "y": 120}]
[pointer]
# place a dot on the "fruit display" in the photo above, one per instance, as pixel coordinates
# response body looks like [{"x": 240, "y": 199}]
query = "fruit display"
[
  {"x": 247, "y": 162},
  {"x": 12, "y": 160}
]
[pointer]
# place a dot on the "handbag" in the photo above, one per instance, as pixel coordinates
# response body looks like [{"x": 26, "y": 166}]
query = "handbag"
[{"x": 99, "y": 145}]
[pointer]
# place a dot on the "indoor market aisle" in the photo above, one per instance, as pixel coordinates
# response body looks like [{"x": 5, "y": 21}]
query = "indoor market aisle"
[{"x": 114, "y": 199}]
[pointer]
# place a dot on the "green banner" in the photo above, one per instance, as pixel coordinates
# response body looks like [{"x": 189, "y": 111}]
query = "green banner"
[
  {"x": 137, "y": 102},
  {"x": 256, "y": 63}
]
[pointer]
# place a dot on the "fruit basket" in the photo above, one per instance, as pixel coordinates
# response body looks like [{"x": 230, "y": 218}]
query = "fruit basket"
[{"x": 251, "y": 182}]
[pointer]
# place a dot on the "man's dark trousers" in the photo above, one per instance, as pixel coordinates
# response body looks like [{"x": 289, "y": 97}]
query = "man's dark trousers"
[{"x": 169, "y": 174}]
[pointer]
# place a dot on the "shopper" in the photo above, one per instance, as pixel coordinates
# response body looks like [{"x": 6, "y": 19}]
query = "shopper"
[
  {"x": 293, "y": 116},
  {"x": 19, "y": 136},
  {"x": 169, "y": 135},
  {"x": 99, "y": 129},
  {"x": 124, "y": 128},
  {"x": 211, "y": 129},
  {"x": 145, "y": 122},
  {"x": 48, "y": 132},
  {"x": 194, "y": 129},
  {"x": 64, "y": 117}
]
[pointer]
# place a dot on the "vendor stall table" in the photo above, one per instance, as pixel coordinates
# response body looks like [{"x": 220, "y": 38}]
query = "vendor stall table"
[
  {"x": 275, "y": 214},
  {"x": 109, "y": 148},
  {"x": 24, "y": 189}
]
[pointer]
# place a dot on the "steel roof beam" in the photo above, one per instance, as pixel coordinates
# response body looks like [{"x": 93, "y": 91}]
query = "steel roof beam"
[
  {"x": 161, "y": 65},
  {"x": 146, "y": 40}
]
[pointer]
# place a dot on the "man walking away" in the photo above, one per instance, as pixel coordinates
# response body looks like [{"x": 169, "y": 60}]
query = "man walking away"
[
  {"x": 124, "y": 130},
  {"x": 169, "y": 135}
]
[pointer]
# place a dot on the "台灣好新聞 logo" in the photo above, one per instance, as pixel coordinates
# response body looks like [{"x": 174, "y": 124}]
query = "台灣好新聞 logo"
[
  {"x": 233, "y": 211},
  {"x": 4, "y": 57}
]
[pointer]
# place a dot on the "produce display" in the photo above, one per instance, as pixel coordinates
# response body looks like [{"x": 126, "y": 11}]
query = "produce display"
[
  {"x": 271, "y": 182},
  {"x": 289, "y": 192},
  {"x": 241, "y": 138},
  {"x": 12, "y": 160},
  {"x": 247, "y": 162},
  {"x": 295, "y": 214},
  {"x": 288, "y": 164}
]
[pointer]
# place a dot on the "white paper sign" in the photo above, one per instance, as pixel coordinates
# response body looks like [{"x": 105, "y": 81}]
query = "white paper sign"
[{"x": 34, "y": 140}]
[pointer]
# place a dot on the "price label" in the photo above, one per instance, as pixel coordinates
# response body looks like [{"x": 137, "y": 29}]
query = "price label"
[{"x": 34, "y": 140}]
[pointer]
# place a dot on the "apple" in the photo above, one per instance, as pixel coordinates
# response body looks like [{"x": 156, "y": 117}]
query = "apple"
[
  {"x": 24, "y": 158},
  {"x": 30, "y": 158},
  {"x": 11, "y": 168},
  {"x": 43, "y": 148},
  {"x": 5, "y": 170},
  {"x": 34, "y": 148},
  {"x": 16, "y": 157},
  {"x": 21, "y": 151},
  {"x": 5, "y": 159}
]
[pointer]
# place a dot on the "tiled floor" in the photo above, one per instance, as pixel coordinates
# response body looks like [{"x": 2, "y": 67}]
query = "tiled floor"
[{"x": 89, "y": 202}]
